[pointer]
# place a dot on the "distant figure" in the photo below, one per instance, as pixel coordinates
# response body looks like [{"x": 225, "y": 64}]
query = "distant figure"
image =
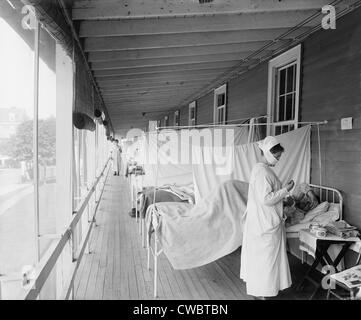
[{"x": 116, "y": 158}]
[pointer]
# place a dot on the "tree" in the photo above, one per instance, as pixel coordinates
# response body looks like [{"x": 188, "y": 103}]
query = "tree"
[{"x": 21, "y": 148}]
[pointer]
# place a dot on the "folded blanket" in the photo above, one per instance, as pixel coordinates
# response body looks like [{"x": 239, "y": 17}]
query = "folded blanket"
[{"x": 192, "y": 236}]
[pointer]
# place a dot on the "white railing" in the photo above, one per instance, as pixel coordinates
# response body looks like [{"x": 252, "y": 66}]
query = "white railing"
[{"x": 48, "y": 262}]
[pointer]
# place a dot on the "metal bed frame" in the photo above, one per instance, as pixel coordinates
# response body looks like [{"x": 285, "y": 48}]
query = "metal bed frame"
[{"x": 155, "y": 252}]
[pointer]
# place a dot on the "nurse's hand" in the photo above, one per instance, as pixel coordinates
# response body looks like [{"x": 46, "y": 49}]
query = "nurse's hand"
[{"x": 290, "y": 185}]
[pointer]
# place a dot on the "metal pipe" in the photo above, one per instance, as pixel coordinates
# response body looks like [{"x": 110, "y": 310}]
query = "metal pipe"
[
  {"x": 319, "y": 153},
  {"x": 155, "y": 265},
  {"x": 238, "y": 125},
  {"x": 35, "y": 139}
]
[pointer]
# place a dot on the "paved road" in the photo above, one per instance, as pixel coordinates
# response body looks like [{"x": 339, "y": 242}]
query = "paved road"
[{"x": 17, "y": 225}]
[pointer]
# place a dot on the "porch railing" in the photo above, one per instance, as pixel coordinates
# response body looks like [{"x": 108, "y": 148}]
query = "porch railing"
[{"x": 48, "y": 262}]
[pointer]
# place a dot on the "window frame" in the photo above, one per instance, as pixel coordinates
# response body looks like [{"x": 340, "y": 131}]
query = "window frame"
[
  {"x": 217, "y": 92},
  {"x": 292, "y": 56},
  {"x": 192, "y": 121}
]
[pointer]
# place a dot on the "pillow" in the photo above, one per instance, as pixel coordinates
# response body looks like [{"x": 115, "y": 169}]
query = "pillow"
[
  {"x": 298, "y": 227},
  {"x": 310, "y": 215},
  {"x": 332, "y": 214}
]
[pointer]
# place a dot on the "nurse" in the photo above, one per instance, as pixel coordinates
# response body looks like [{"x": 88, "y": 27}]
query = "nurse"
[
  {"x": 116, "y": 157},
  {"x": 264, "y": 262}
]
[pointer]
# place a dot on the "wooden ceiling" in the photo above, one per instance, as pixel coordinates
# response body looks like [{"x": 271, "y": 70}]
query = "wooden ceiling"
[{"x": 154, "y": 55}]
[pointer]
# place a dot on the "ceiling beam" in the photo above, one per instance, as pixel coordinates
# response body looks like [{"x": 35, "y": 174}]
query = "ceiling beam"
[
  {"x": 152, "y": 85},
  {"x": 191, "y": 67},
  {"x": 186, "y": 39},
  {"x": 109, "y": 65},
  {"x": 136, "y": 90},
  {"x": 142, "y": 91},
  {"x": 166, "y": 76},
  {"x": 130, "y": 54},
  {"x": 166, "y": 102},
  {"x": 161, "y": 99},
  {"x": 116, "y": 110},
  {"x": 143, "y": 82},
  {"x": 228, "y": 22},
  {"x": 122, "y": 9},
  {"x": 149, "y": 96},
  {"x": 151, "y": 79}
]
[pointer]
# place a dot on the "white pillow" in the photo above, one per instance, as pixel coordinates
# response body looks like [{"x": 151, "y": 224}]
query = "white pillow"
[{"x": 310, "y": 215}]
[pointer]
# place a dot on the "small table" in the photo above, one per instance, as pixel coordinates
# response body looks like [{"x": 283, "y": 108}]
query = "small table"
[
  {"x": 351, "y": 291},
  {"x": 318, "y": 247}
]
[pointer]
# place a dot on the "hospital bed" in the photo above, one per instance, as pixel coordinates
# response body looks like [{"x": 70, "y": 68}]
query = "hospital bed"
[
  {"x": 150, "y": 195},
  {"x": 195, "y": 235}
]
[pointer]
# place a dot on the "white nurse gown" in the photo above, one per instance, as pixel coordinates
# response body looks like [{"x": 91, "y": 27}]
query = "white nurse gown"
[{"x": 264, "y": 262}]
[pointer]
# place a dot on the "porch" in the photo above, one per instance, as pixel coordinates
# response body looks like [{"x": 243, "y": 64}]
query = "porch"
[{"x": 116, "y": 268}]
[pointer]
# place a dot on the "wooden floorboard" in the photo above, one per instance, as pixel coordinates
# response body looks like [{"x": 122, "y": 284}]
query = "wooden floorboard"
[{"x": 116, "y": 268}]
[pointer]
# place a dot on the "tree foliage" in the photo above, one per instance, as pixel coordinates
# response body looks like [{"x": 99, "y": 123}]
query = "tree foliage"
[{"x": 20, "y": 146}]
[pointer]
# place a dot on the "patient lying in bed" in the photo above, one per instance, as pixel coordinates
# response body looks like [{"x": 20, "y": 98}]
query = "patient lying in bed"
[
  {"x": 296, "y": 206},
  {"x": 166, "y": 193}
]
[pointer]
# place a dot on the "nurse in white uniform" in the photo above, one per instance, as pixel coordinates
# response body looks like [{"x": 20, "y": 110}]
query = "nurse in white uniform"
[
  {"x": 116, "y": 158},
  {"x": 264, "y": 262}
]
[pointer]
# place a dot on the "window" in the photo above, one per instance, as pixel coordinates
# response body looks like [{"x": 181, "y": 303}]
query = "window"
[
  {"x": 220, "y": 101},
  {"x": 17, "y": 196},
  {"x": 192, "y": 114},
  {"x": 176, "y": 118},
  {"x": 283, "y": 91}
]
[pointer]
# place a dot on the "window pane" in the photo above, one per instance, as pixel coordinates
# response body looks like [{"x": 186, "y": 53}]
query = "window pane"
[
  {"x": 290, "y": 78},
  {"x": 221, "y": 99},
  {"x": 47, "y": 138},
  {"x": 282, "y": 83},
  {"x": 17, "y": 219},
  {"x": 289, "y": 107},
  {"x": 281, "y": 109}
]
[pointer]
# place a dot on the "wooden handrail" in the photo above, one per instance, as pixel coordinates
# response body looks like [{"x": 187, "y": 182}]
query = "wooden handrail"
[{"x": 47, "y": 263}]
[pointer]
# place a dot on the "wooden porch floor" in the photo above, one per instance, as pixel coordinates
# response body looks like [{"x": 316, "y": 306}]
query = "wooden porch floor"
[{"x": 116, "y": 268}]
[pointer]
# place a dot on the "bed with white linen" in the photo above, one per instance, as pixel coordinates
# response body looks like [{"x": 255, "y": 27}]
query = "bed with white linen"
[{"x": 194, "y": 235}]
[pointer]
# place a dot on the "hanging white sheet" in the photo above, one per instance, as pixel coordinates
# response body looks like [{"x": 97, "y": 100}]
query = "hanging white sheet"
[
  {"x": 167, "y": 157},
  {"x": 216, "y": 165}
]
